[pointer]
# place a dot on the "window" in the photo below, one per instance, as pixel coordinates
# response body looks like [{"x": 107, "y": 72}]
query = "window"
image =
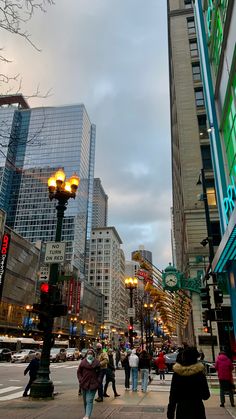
[
  {"x": 211, "y": 194},
  {"x": 188, "y": 4},
  {"x": 196, "y": 70},
  {"x": 193, "y": 48},
  {"x": 191, "y": 25},
  {"x": 202, "y": 125},
  {"x": 206, "y": 157},
  {"x": 199, "y": 97}
]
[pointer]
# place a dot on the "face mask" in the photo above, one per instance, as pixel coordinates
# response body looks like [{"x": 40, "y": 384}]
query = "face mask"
[{"x": 90, "y": 358}]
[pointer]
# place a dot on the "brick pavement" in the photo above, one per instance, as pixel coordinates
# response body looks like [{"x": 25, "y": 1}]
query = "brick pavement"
[{"x": 138, "y": 405}]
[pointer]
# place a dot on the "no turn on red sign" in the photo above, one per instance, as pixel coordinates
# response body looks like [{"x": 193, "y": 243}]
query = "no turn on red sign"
[{"x": 55, "y": 252}]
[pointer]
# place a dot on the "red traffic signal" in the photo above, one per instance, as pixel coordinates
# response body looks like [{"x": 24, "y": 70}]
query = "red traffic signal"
[
  {"x": 207, "y": 329},
  {"x": 130, "y": 327},
  {"x": 44, "y": 287}
]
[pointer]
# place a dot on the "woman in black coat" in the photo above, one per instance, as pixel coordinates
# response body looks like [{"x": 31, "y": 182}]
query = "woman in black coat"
[{"x": 188, "y": 388}]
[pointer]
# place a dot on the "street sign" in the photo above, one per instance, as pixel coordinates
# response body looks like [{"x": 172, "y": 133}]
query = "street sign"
[
  {"x": 55, "y": 252},
  {"x": 44, "y": 273},
  {"x": 131, "y": 312}
]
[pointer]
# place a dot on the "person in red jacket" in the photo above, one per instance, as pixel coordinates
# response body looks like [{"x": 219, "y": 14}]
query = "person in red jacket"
[
  {"x": 89, "y": 379},
  {"x": 160, "y": 364},
  {"x": 224, "y": 368}
]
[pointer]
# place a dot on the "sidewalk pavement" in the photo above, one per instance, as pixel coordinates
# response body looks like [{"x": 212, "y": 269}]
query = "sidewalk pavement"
[{"x": 138, "y": 405}]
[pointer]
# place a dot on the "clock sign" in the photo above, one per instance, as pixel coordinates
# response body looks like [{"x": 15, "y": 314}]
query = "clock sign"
[{"x": 170, "y": 279}]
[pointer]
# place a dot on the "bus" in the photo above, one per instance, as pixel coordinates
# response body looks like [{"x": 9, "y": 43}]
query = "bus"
[{"x": 15, "y": 344}]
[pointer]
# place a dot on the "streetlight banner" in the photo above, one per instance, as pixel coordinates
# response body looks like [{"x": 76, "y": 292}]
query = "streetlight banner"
[
  {"x": 78, "y": 298},
  {"x": 71, "y": 292},
  {"x": 3, "y": 259}
]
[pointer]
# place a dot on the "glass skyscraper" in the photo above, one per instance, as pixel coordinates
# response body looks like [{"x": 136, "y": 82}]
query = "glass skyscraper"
[{"x": 37, "y": 142}]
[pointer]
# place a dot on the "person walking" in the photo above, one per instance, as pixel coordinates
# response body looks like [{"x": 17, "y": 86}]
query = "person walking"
[
  {"x": 160, "y": 365},
  {"x": 117, "y": 358},
  {"x": 144, "y": 367},
  {"x": 32, "y": 369},
  {"x": 102, "y": 357},
  {"x": 88, "y": 375},
  {"x": 224, "y": 368},
  {"x": 188, "y": 388},
  {"x": 126, "y": 366},
  {"x": 134, "y": 363},
  {"x": 110, "y": 375}
]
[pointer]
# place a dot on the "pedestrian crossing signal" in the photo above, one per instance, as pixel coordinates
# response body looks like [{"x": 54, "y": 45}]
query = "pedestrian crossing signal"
[{"x": 206, "y": 329}]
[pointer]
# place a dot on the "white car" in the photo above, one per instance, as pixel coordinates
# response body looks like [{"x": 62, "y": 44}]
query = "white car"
[{"x": 24, "y": 355}]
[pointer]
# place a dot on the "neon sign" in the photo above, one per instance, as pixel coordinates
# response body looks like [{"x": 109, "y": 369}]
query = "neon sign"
[
  {"x": 229, "y": 201},
  {"x": 3, "y": 259}
]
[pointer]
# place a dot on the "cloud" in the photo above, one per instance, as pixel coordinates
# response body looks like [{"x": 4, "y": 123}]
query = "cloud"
[{"x": 112, "y": 55}]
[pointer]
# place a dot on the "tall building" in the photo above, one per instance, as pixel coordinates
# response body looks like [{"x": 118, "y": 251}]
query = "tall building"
[
  {"x": 100, "y": 199},
  {"x": 37, "y": 143},
  {"x": 216, "y": 36},
  {"x": 106, "y": 273},
  {"x": 190, "y": 153},
  {"x": 146, "y": 254}
]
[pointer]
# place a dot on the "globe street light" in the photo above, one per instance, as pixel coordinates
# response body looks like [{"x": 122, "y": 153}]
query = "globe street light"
[
  {"x": 83, "y": 323},
  {"x": 131, "y": 284},
  {"x": 61, "y": 190}
]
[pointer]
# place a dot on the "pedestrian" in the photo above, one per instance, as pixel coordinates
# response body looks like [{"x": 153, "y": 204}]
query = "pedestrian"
[
  {"x": 201, "y": 355},
  {"x": 133, "y": 363},
  {"x": 160, "y": 365},
  {"x": 117, "y": 357},
  {"x": 126, "y": 366},
  {"x": 224, "y": 368},
  {"x": 110, "y": 375},
  {"x": 102, "y": 357},
  {"x": 145, "y": 368},
  {"x": 82, "y": 356},
  {"x": 32, "y": 369},
  {"x": 188, "y": 388},
  {"x": 88, "y": 375}
]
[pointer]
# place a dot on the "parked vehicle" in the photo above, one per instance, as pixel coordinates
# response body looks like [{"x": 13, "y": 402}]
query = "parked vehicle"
[
  {"x": 24, "y": 355},
  {"x": 5, "y": 354},
  {"x": 72, "y": 354},
  {"x": 58, "y": 354}
]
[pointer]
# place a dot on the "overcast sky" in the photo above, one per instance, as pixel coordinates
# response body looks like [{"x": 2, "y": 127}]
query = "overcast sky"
[{"x": 112, "y": 56}]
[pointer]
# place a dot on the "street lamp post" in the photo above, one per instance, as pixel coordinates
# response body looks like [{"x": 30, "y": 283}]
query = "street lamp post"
[
  {"x": 62, "y": 191},
  {"x": 148, "y": 307},
  {"x": 73, "y": 331},
  {"x": 131, "y": 284},
  {"x": 83, "y": 323}
]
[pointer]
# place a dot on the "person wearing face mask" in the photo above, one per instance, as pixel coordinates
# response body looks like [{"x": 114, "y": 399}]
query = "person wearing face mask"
[{"x": 88, "y": 375}]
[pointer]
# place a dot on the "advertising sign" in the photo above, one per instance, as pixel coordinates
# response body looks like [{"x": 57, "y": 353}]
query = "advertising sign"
[
  {"x": 78, "y": 298},
  {"x": 3, "y": 259}
]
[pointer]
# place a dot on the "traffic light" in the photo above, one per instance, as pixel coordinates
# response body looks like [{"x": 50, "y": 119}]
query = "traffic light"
[
  {"x": 130, "y": 327},
  {"x": 207, "y": 329},
  {"x": 205, "y": 318},
  {"x": 205, "y": 297},
  {"x": 218, "y": 297},
  {"x": 45, "y": 293}
]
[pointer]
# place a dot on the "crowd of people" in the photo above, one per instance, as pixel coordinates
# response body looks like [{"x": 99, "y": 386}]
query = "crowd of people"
[{"x": 188, "y": 389}]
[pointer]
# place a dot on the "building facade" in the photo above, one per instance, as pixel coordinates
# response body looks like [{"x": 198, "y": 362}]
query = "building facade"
[
  {"x": 38, "y": 142},
  {"x": 106, "y": 273},
  {"x": 190, "y": 154},
  {"x": 100, "y": 205},
  {"x": 216, "y": 36}
]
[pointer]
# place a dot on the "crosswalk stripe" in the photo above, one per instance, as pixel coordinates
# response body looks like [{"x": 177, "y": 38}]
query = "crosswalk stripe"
[
  {"x": 11, "y": 396},
  {"x": 8, "y": 389}
]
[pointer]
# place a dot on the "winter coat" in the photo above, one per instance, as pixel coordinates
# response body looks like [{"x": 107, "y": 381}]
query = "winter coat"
[
  {"x": 32, "y": 368},
  {"x": 188, "y": 388},
  {"x": 125, "y": 362},
  {"x": 224, "y": 368},
  {"x": 144, "y": 362},
  {"x": 88, "y": 374},
  {"x": 102, "y": 357},
  {"x": 110, "y": 374},
  {"x": 160, "y": 362},
  {"x": 133, "y": 359}
]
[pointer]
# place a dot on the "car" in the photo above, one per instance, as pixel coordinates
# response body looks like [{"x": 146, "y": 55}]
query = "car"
[
  {"x": 57, "y": 355},
  {"x": 72, "y": 354},
  {"x": 5, "y": 354},
  {"x": 24, "y": 355}
]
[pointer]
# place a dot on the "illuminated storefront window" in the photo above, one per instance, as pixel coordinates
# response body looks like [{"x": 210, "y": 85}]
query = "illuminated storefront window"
[{"x": 229, "y": 129}]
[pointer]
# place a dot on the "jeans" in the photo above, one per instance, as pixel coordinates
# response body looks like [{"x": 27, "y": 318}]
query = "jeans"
[
  {"x": 144, "y": 378},
  {"x": 162, "y": 374},
  {"x": 88, "y": 397},
  {"x": 226, "y": 387},
  {"x": 28, "y": 387},
  {"x": 103, "y": 372},
  {"x": 134, "y": 375}
]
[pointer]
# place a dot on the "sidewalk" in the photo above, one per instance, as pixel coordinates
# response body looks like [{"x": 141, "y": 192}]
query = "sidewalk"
[{"x": 138, "y": 405}]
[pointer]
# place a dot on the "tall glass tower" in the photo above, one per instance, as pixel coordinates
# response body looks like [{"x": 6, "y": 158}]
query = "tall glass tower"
[{"x": 38, "y": 142}]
